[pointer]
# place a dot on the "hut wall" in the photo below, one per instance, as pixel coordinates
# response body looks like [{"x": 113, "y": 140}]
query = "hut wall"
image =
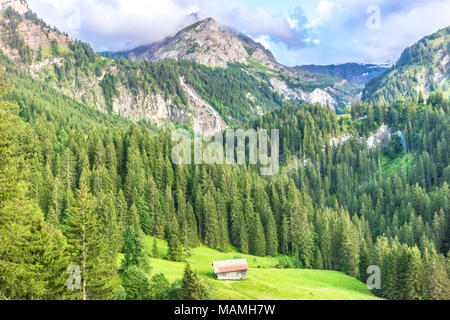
[{"x": 236, "y": 275}]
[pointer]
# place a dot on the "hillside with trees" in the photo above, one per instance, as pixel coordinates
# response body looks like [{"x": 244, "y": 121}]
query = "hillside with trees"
[
  {"x": 339, "y": 211},
  {"x": 83, "y": 190},
  {"x": 422, "y": 69}
]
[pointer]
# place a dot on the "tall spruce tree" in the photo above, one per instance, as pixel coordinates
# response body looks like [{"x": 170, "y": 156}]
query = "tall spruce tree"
[
  {"x": 192, "y": 287},
  {"x": 258, "y": 241},
  {"x": 136, "y": 252},
  {"x": 87, "y": 248},
  {"x": 175, "y": 252}
]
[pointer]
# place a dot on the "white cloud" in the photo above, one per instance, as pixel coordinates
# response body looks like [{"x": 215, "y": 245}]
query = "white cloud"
[
  {"x": 121, "y": 24},
  {"x": 342, "y": 30},
  {"x": 114, "y": 24},
  {"x": 265, "y": 41},
  {"x": 336, "y": 30},
  {"x": 324, "y": 9}
]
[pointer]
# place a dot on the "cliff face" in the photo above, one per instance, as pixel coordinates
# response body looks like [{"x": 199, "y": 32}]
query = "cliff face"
[
  {"x": 20, "y": 6},
  {"x": 37, "y": 37},
  {"x": 135, "y": 103},
  {"x": 35, "y": 34},
  {"x": 206, "y": 119}
]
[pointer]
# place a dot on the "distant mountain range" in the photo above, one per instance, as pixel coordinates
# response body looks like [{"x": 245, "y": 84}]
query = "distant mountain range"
[
  {"x": 353, "y": 72},
  {"x": 206, "y": 75}
]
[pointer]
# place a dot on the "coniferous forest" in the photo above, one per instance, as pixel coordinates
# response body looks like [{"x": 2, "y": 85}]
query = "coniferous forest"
[
  {"x": 82, "y": 191},
  {"x": 82, "y": 195}
]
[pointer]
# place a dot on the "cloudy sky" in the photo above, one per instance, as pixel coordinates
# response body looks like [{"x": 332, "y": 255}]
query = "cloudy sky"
[{"x": 296, "y": 31}]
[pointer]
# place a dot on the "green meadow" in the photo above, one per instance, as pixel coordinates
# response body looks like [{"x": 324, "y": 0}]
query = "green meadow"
[{"x": 265, "y": 280}]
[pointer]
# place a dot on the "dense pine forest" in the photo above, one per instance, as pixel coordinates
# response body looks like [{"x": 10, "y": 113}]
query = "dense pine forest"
[
  {"x": 82, "y": 189},
  {"x": 81, "y": 193}
]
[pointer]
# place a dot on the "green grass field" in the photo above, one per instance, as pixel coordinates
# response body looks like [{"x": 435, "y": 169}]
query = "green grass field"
[
  {"x": 402, "y": 163},
  {"x": 265, "y": 282}
]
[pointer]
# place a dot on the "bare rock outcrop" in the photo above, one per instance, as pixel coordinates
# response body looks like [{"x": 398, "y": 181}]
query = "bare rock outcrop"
[
  {"x": 206, "y": 119},
  {"x": 21, "y": 6}
]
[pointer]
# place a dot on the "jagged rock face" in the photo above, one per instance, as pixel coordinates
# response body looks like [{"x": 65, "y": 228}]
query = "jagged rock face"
[
  {"x": 41, "y": 37},
  {"x": 316, "y": 96},
  {"x": 21, "y": 6},
  {"x": 208, "y": 43},
  {"x": 34, "y": 35},
  {"x": 322, "y": 97},
  {"x": 206, "y": 119},
  {"x": 152, "y": 107},
  {"x": 137, "y": 105}
]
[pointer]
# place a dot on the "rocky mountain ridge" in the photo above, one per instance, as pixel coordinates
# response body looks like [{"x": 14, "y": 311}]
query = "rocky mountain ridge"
[
  {"x": 21, "y": 6},
  {"x": 206, "y": 42}
]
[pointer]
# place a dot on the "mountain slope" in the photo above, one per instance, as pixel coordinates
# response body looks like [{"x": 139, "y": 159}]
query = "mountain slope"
[
  {"x": 423, "y": 67},
  {"x": 208, "y": 43},
  {"x": 138, "y": 91},
  {"x": 153, "y": 90},
  {"x": 352, "y": 72}
]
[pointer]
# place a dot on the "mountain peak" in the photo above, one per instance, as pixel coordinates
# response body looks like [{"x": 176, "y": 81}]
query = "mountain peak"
[
  {"x": 207, "y": 42},
  {"x": 21, "y": 6},
  {"x": 209, "y": 20},
  {"x": 205, "y": 25}
]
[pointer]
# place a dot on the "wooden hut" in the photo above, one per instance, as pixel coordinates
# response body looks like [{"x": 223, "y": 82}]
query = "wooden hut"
[{"x": 231, "y": 269}]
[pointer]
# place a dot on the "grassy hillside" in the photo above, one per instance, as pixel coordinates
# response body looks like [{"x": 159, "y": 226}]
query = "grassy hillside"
[
  {"x": 399, "y": 164},
  {"x": 265, "y": 281}
]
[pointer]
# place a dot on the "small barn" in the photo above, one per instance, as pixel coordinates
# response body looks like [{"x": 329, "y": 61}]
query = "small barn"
[{"x": 231, "y": 269}]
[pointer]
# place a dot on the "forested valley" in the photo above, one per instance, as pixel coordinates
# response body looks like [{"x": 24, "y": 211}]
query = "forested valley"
[
  {"x": 345, "y": 206},
  {"x": 82, "y": 188}
]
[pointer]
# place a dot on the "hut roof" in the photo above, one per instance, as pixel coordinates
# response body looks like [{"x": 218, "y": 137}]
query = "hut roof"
[{"x": 230, "y": 266}]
